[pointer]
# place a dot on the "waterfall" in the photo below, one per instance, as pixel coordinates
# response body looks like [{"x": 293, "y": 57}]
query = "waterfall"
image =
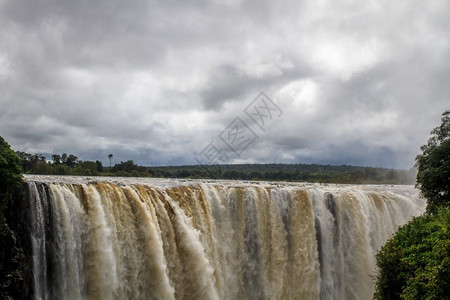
[{"x": 156, "y": 239}]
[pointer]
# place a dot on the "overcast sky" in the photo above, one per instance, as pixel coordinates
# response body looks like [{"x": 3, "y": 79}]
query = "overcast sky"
[{"x": 357, "y": 82}]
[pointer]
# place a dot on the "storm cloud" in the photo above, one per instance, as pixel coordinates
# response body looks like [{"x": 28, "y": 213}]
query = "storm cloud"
[{"x": 358, "y": 82}]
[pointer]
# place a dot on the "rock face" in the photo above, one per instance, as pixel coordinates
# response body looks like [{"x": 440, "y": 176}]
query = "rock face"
[{"x": 16, "y": 276}]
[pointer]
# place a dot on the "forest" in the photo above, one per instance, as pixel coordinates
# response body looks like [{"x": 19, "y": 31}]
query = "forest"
[{"x": 68, "y": 164}]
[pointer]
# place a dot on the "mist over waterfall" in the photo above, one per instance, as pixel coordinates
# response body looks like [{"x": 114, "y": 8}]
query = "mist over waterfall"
[{"x": 97, "y": 238}]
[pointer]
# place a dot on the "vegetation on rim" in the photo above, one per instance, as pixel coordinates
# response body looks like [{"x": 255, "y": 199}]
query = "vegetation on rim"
[
  {"x": 415, "y": 262},
  {"x": 10, "y": 178}
]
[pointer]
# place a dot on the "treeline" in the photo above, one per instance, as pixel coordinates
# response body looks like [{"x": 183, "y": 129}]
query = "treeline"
[
  {"x": 69, "y": 164},
  {"x": 291, "y": 172},
  {"x": 63, "y": 164}
]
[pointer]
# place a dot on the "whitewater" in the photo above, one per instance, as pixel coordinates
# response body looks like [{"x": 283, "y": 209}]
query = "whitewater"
[{"x": 134, "y": 238}]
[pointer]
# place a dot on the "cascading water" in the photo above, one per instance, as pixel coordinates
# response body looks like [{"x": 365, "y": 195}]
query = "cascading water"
[{"x": 156, "y": 239}]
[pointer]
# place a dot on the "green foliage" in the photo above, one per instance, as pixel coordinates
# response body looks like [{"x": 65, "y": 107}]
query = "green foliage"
[
  {"x": 88, "y": 168},
  {"x": 61, "y": 165},
  {"x": 56, "y": 158},
  {"x": 71, "y": 160},
  {"x": 64, "y": 158},
  {"x": 69, "y": 164},
  {"x": 415, "y": 263},
  {"x": 129, "y": 168},
  {"x": 10, "y": 178},
  {"x": 433, "y": 165},
  {"x": 99, "y": 165}
]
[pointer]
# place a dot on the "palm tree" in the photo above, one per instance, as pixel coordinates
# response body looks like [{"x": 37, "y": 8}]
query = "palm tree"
[{"x": 110, "y": 156}]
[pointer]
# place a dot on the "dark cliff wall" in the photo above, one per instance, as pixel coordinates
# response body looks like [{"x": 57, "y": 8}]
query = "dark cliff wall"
[{"x": 16, "y": 277}]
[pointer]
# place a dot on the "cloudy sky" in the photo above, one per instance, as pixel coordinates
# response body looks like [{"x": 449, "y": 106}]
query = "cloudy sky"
[{"x": 357, "y": 82}]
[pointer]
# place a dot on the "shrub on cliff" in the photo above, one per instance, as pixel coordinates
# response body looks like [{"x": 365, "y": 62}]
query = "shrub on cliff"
[
  {"x": 433, "y": 167},
  {"x": 415, "y": 263},
  {"x": 12, "y": 259},
  {"x": 10, "y": 178}
]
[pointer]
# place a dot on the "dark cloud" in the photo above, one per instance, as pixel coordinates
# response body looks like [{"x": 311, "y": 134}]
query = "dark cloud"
[{"x": 156, "y": 81}]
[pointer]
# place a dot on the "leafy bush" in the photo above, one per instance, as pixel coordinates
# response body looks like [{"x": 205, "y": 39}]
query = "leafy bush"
[
  {"x": 415, "y": 263},
  {"x": 10, "y": 178},
  {"x": 433, "y": 167}
]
